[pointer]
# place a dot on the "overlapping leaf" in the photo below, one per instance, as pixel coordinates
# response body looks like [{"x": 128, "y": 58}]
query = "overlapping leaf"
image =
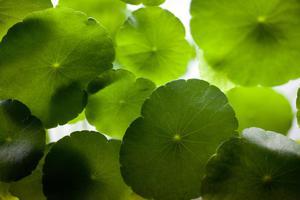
[
  {"x": 47, "y": 60},
  {"x": 152, "y": 44},
  {"x": 118, "y": 101},
  {"x": 260, "y": 165},
  {"x": 85, "y": 166},
  {"x": 22, "y": 141},
  {"x": 145, "y": 2},
  {"x": 261, "y": 107}
]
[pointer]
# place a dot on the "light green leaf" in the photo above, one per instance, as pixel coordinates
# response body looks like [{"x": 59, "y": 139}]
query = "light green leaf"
[
  {"x": 85, "y": 166},
  {"x": 260, "y": 165},
  {"x": 145, "y": 2},
  {"x": 261, "y": 107},
  {"x": 13, "y": 11},
  {"x": 164, "y": 152},
  {"x": 22, "y": 141},
  {"x": 118, "y": 103},
  {"x": 110, "y": 13},
  {"x": 253, "y": 42},
  {"x": 53, "y": 54},
  {"x": 30, "y": 187},
  {"x": 152, "y": 44}
]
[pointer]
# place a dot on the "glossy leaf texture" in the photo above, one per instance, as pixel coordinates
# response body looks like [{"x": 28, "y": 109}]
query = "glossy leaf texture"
[
  {"x": 145, "y": 2},
  {"x": 152, "y": 44},
  {"x": 253, "y": 43},
  {"x": 110, "y": 13},
  {"x": 13, "y": 11},
  {"x": 260, "y": 165},
  {"x": 22, "y": 141},
  {"x": 84, "y": 166},
  {"x": 54, "y": 54},
  {"x": 164, "y": 152},
  {"x": 261, "y": 107},
  {"x": 117, "y": 102},
  {"x": 30, "y": 187}
]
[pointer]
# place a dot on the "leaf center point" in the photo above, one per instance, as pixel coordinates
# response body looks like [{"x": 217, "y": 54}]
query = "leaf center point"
[
  {"x": 177, "y": 138},
  {"x": 261, "y": 19}
]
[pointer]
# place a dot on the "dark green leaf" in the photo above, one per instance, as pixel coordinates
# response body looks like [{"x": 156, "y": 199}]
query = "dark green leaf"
[
  {"x": 164, "y": 152},
  {"x": 260, "y": 165},
  {"x": 84, "y": 166},
  {"x": 22, "y": 141}
]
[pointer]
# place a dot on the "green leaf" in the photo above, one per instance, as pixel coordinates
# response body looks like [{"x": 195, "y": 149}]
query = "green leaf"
[
  {"x": 260, "y": 165},
  {"x": 85, "y": 166},
  {"x": 254, "y": 42},
  {"x": 54, "y": 54},
  {"x": 164, "y": 152},
  {"x": 115, "y": 106},
  {"x": 30, "y": 187},
  {"x": 22, "y": 141},
  {"x": 13, "y": 11},
  {"x": 152, "y": 44},
  {"x": 110, "y": 13},
  {"x": 145, "y": 2},
  {"x": 261, "y": 107}
]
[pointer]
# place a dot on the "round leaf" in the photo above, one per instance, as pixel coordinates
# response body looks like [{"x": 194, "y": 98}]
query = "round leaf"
[
  {"x": 110, "y": 13},
  {"x": 253, "y": 42},
  {"x": 53, "y": 54},
  {"x": 152, "y": 44},
  {"x": 115, "y": 106},
  {"x": 145, "y": 2},
  {"x": 260, "y": 165},
  {"x": 22, "y": 141},
  {"x": 261, "y": 107},
  {"x": 164, "y": 152},
  {"x": 83, "y": 166},
  {"x": 13, "y": 11}
]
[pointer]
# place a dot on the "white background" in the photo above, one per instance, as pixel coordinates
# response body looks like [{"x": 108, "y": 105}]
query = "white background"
[{"x": 180, "y": 8}]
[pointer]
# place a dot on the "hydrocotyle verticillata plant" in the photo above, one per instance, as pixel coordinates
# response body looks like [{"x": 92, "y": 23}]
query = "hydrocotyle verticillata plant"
[{"x": 112, "y": 67}]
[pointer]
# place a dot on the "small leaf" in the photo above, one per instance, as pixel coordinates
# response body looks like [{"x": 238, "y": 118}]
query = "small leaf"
[
  {"x": 13, "y": 11},
  {"x": 252, "y": 43},
  {"x": 261, "y": 107},
  {"x": 110, "y": 13},
  {"x": 84, "y": 165},
  {"x": 152, "y": 44},
  {"x": 22, "y": 141},
  {"x": 54, "y": 54},
  {"x": 164, "y": 152},
  {"x": 115, "y": 106},
  {"x": 260, "y": 165}
]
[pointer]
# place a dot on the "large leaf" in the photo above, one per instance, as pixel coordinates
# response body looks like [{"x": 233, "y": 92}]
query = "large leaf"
[
  {"x": 261, "y": 107},
  {"x": 110, "y": 13},
  {"x": 85, "y": 166},
  {"x": 253, "y": 42},
  {"x": 22, "y": 141},
  {"x": 164, "y": 152},
  {"x": 13, "y": 11},
  {"x": 115, "y": 106},
  {"x": 260, "y": 165},
  {"x": 30, "y": 187},
  {"x": 145, "y": 2},
  {"x": 152, "y": 45},
  {"x": 53, "y": 54}
]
